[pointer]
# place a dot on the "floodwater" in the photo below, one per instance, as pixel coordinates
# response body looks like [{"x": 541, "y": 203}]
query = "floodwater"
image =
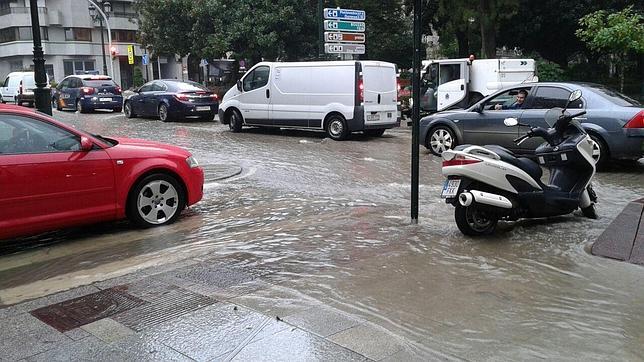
[{"x": 332, "y": 219}]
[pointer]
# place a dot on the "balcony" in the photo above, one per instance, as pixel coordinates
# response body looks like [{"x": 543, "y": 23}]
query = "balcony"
[
  {"x": 21, "y": 16},
  {"x": 21, "y": 10}
]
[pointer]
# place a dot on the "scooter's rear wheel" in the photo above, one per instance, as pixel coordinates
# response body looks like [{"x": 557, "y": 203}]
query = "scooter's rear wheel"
[{"x": 472, "y": 221}]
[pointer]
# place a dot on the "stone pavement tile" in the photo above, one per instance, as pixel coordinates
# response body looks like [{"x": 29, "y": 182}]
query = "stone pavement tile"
[
  {"x": 23, "y": 335},
  {"x": 108, "y": 330},
  {"x": 77, "y": 334},
  {"x": 292, "y": 344},
  {"x": 213, "y": 331},
  {"x": 51, "y": 299},
  {"x": 138, "y": 348},
  {"x": 86, "y": 349},
  {"x": 224, "y": 294},
  {"x": 277, "y": 301},
  {"x": 172, "y": 304},
  {"x": 369, "y": 340},
  {"x": 324, "y": 321}
]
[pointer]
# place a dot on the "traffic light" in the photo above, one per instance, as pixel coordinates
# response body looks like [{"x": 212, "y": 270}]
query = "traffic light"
[{"x": 114, "y": 52}]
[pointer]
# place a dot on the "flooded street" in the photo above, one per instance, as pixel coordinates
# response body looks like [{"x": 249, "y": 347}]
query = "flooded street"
[{"x": 330, "y": 220}]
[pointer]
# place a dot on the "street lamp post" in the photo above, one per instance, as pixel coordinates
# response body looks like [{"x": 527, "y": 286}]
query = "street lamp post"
[
  {"x": 42, "y": 95},
  {"x": 107, "y": 9}
]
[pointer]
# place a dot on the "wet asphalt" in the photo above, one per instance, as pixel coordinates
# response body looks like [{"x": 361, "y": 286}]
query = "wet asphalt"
[{"x": 330, "y": 220}]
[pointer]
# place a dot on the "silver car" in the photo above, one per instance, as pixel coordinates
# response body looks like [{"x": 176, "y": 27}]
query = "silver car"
[{"x": 614, "y": 121}]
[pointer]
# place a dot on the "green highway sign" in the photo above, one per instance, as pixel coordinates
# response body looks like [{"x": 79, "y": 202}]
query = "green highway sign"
[{"x": 338, "y": 25}]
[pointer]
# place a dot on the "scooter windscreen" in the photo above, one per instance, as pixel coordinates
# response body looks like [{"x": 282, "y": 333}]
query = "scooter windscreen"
[{"x": 554, "y": 114}]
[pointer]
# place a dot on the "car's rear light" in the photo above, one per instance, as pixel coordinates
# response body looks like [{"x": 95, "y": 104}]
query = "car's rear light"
[
  {"x": 460, "y": 160},
  {"x": 88, "y": 90},
  {"x": 214, "y": 97},
  {"x": 181, "y": 97},
  {"x": 637, "y": 121},
  {"x": 361, "y": 89},
  {"x": 117, "y": 90}
]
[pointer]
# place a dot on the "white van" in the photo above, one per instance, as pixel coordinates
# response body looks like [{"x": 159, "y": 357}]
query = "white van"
[
  {"x": 338, "y": 97},
  {"x": 18, "y": 88}
]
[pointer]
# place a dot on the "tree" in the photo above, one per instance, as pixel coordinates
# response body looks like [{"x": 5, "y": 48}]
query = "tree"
[
  {"x": 164, "y": 25},
  {"x": 615, "y": 34}
]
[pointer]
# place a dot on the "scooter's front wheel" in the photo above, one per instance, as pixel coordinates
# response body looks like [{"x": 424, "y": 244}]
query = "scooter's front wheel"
[{"x": 472, "y": 221}]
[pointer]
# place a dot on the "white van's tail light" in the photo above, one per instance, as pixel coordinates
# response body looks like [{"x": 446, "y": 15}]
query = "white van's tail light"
[
  {"x": 460, "y": 160},
  {"x": 361, "y": 90},
  {"x": 637, "y": 121}
]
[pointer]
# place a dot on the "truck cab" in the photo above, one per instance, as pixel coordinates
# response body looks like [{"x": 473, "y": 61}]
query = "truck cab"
[{"x": 459, "y": 83}]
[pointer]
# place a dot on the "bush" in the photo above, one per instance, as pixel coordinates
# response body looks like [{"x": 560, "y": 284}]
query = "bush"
[
  {"x": 138, "y": 77},
  {"x": 549, "y": 71}
]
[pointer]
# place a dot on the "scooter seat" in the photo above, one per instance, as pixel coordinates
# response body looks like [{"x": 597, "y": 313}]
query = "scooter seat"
[{"x": 530, "y": 167}]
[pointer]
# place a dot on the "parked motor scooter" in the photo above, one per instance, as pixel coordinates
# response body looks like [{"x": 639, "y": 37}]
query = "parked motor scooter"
[{"x": 488, "y": 184}]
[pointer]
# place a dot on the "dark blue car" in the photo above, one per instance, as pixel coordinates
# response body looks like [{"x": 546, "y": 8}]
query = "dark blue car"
[
  {"x": 86, "y": 93},
  {"x": 171, "y": 99}
]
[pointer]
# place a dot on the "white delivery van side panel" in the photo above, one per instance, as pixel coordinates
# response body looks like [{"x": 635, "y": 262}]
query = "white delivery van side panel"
[
  {"x": 380, "y": 93},
  {"x": 333, "y": 90},
  {"x": 291, "y": 95}
]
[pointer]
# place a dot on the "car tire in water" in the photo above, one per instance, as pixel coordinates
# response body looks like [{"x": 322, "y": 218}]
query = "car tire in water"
[
  {"x": 235, "y": 121},
  {"x": 156, "y": 200},
  {"x": 118, "y": 110},
  {"x": 473, "y": 222},
  {"x": 440, "y": 139},
  {"x": 127, "y": 109},
  {"x": 600, "y": 152},
  {"x": 163, "y": 113},
  {"x": 374, "y": 132},
  {"x": 589, "y": 211},
  {"x": 210, "y": 117},
  {"x": 79, "y": 107},
  {"x": 336, "y": 128}
]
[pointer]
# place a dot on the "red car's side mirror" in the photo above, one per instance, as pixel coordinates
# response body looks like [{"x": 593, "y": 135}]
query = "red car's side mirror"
[{"x": 86, "y": 144}]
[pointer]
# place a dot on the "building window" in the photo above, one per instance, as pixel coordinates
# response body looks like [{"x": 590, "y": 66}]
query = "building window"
[
  {"x": 15, "y": 66},
  {"x": 123, "y": 9},
  {"x": 78, "y": 34},
  {"x": 24, "y": 33},
  {"x": 7, "y": 35},
  {"x": 124, "y": 36},
  {"x": 78, "y": 66}
]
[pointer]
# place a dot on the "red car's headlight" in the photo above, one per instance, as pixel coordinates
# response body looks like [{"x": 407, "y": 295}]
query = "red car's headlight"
[{"x": 192, "y": 162}]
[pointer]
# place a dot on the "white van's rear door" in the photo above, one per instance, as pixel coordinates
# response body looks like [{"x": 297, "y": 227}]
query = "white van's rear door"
[{"x": 380, "y": 93}]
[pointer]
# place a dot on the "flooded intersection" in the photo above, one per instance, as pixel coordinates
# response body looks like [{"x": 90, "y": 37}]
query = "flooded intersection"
[{"x": 328, "y": 224}]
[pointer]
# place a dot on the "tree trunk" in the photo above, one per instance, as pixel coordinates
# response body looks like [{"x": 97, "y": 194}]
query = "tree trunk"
[
  {"x": 462, "y": 39},
  {"x": 488, "y": 30}
]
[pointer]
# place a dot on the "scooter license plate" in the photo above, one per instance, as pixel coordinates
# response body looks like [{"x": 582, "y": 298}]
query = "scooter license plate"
[{"x": 450, "y": 189}]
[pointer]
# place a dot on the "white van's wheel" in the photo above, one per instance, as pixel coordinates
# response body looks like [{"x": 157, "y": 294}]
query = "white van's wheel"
[
  {"x": 235, "y": 121},
  {"x": 336, "y": 128}
]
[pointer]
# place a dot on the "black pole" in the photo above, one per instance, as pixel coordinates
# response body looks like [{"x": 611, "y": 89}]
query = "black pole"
[
  {"x": 42, "y": 95},
  {"x": 320, "y": 29},
  {"x": 415, "y": 130},
  {"x": 103, "y": 46}
]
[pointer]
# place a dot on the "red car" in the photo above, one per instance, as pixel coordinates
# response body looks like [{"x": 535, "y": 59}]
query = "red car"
[{"x": 54, "y": 176}]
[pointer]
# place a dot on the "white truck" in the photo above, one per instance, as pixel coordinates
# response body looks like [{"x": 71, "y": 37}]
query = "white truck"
[{"x": 459, "y": 83}]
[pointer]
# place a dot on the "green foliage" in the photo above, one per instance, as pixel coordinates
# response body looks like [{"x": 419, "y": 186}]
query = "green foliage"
[
  {"x": 549, "y": 71},
  {"x": 615, "y": 33},
  {"x": 138, "y": 77}
]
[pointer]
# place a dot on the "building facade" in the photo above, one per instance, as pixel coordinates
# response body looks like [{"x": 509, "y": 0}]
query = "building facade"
[{"x": 72, "y": 42}]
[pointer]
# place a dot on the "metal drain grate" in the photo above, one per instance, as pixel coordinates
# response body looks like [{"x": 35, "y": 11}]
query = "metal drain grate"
[{"x": 77, "y": 312}]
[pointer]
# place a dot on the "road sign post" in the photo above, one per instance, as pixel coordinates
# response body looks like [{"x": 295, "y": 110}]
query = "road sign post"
[{"x": 344, "y": 31}]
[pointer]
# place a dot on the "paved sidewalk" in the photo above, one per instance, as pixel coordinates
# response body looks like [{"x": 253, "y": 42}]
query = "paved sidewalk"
[{"x": 205, "y": 310}]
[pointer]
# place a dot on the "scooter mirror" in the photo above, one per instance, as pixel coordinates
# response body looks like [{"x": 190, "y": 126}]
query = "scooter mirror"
[
  {"x": 510, "y": 122},
  {"x": 575, "y": 95}
]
